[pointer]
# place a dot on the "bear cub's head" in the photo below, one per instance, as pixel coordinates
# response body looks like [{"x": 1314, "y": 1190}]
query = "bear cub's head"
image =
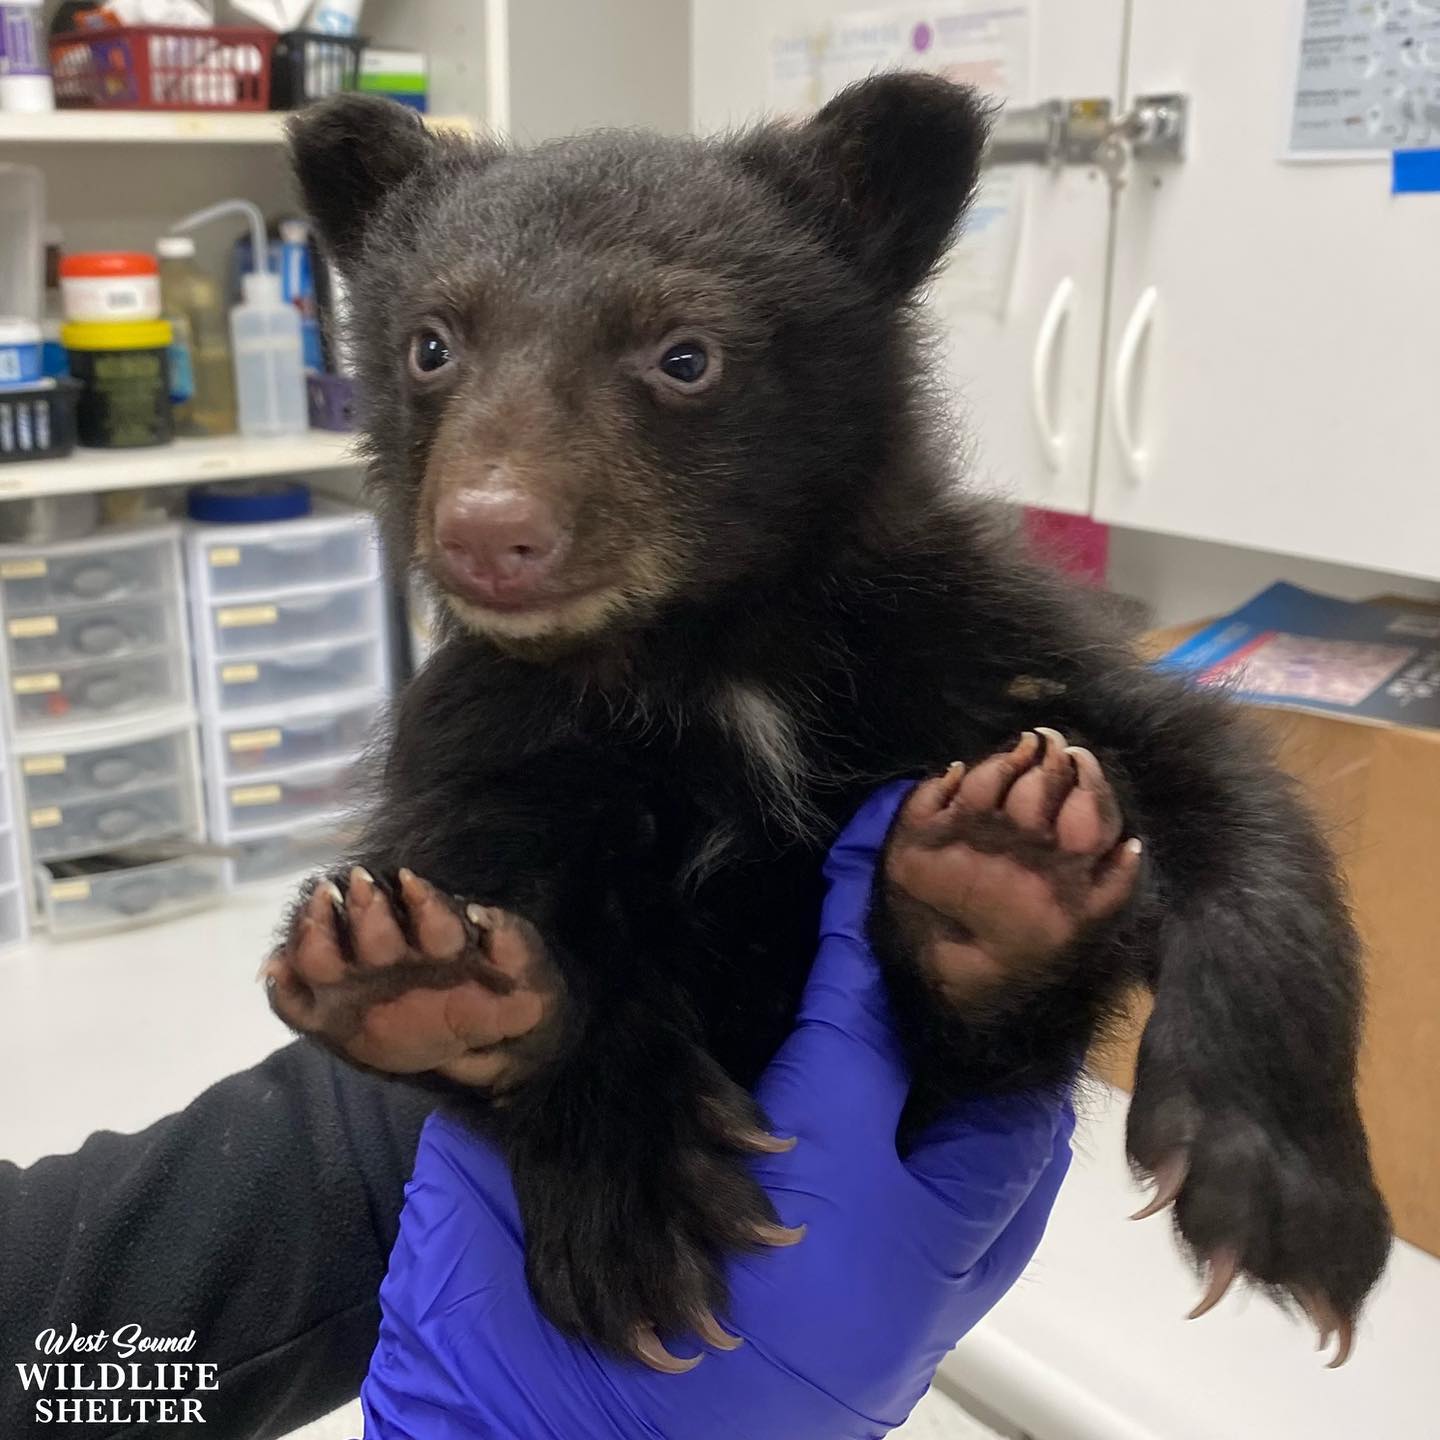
[{"x": 609, "y": 378}]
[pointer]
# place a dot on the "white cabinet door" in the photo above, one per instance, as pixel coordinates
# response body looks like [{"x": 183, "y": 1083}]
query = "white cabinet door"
[
  {"x": 1027, "y": 409},
  {"x": 1280, "y": 387},
  {"x": 1026, "y": 377}
]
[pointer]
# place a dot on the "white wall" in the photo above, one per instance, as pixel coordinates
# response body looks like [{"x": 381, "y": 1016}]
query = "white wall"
[
  {"x": 730, "y": 46},
  {"x": 578, "y": 64},
  {"x": 1177, "y": 579}
]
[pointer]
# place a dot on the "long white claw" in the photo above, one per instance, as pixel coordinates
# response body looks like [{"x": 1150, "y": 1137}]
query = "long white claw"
[
  {"x": 761, "y": 1142},
  {"x": 779, "y": 1235},
  {"x": 648, "y": 1348},
  {"x": 1169, "y": 1181},
  {"x": 1329, "y": 1324},
  {"x": 714, "y": 1334},
  {"x": 1222, "y": 1275},
  {"x": 1344, "y": 1346}
]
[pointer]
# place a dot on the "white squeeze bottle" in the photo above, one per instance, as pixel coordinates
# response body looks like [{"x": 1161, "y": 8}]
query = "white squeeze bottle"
[{"x": 264, "y": 338}]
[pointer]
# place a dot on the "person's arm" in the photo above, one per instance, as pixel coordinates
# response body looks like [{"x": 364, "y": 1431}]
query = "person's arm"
[{"x": 260, "y": 1217}]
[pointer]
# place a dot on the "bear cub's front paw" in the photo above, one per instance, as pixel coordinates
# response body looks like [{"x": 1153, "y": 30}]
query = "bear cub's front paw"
[
  {"x": 995, "y": 870},
  {"x": 398, "y": 977}
]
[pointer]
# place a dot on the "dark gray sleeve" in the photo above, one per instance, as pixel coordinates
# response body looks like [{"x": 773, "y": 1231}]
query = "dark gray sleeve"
[{"x": 261, "y": 1217}]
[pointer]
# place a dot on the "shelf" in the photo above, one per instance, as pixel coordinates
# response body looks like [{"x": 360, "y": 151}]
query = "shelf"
[
  {"x": 186, "y": 462},
  {"x": 163, "y": 127}
]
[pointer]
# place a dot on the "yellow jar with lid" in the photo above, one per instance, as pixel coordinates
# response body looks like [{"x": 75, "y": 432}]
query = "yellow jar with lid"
[{"x": 125, "y": 385}]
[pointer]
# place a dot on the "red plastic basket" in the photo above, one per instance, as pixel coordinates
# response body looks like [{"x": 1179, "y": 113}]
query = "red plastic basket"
[{"x": 163, "y": 67}]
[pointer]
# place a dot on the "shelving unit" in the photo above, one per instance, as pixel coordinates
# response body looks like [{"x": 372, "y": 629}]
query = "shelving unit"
[
  {"x": 185, "y": 462},
  {"x": 178, "y": 127},
  {"x": 293, "y": 672}
]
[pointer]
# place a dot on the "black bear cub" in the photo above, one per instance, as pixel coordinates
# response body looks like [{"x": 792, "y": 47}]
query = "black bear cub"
[{"x": 651, "y": 416}]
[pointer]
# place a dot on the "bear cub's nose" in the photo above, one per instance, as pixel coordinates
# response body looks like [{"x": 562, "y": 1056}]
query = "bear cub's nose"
[{"x": 497, "y": 545}]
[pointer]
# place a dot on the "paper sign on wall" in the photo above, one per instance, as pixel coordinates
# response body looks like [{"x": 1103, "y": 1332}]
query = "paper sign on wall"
[
  {"x": 1368, "y": 78},
  {"x": 985, "y": 43}
]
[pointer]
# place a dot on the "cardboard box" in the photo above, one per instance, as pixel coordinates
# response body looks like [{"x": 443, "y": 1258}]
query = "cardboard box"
[{"x": 1377, "y": 788}]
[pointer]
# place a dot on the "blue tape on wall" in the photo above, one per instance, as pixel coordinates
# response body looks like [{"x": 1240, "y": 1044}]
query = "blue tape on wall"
[{"x": 1415, "y": 172}]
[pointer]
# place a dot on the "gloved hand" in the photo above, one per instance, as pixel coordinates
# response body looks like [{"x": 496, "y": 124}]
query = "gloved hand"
[{"x": 842, "y": 1332}]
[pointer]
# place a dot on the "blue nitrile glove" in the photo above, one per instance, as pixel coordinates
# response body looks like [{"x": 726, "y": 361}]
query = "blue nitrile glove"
[{"x": 843, "y": 1331}]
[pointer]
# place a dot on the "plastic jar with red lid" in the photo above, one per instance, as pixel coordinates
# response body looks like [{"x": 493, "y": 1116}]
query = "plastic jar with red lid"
[{"x": 103, "y": 286}]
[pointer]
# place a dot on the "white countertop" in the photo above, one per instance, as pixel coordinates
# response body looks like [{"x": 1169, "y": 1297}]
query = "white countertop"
[
  {"x": 114, "y": 1032},
  {"x": 1092, "y": 1344}
]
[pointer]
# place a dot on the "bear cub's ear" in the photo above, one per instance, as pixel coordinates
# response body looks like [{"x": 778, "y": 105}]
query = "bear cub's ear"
[
  {"x": 348, "y": 153},
  {"x": 883, "y": 172}
]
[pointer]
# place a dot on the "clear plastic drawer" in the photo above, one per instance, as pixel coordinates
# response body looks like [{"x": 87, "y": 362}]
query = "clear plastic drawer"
[
  {"x": 295, "y": 620},
  {"x": 288, "y": 801},
  {"x": 297, "y": 738},
  {"x": 101, "y": 568},
  {"x": 319, "y": 551},
  {"x": 293, "y": 675},
  {"x": 73, "y": 693},
  {"x": 92, "y": 633},
  {"x": 81, "y": 897},
  {"x": 108, "y": 822}
]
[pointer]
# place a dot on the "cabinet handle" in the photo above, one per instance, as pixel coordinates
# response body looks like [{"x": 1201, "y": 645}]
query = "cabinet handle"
[
  {"x": 1137, "y": 327},
  {"x": 1052, "y": 438}
]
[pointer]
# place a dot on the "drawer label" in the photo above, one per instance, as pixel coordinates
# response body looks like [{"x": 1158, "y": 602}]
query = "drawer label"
[
  {"x": 239, "y": 674},
  {"x": 222, "y": 555},
  {"x": 46, "y": 817},
  {"x": 23, "y": 569},
  {"x": 43, "y": 765},
  {"x": 254, "y": 795},
  {"x": 70, "y": 890},
  {"x": 35, "y": 684},
  {"x": 236, "y": 615},
  {"x": 31, "y": 626},
  {"x": 243, "y": 740}
]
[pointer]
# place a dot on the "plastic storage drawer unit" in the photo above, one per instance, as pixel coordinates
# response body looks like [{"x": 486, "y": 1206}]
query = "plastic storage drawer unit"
[
  {"x": 289, "y": 624},
  {"x": 95, "y": 631}
]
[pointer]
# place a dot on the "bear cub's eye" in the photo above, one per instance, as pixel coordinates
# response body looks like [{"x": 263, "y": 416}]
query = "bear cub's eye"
[
  {"x": 429, "y": 352},
  {"x": 685, "y": 362}
]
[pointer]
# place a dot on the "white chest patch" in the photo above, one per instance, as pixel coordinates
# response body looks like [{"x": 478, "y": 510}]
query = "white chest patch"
[{"x": 770, "y": 741}]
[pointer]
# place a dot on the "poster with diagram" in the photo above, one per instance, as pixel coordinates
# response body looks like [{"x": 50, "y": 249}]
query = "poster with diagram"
[
  {"x": 1367, "y": 78},
  {"x": 985, "y": 43}
]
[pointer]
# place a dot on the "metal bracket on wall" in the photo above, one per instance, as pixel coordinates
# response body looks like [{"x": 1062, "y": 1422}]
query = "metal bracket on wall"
[{"x": 1088, "y": 132}]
